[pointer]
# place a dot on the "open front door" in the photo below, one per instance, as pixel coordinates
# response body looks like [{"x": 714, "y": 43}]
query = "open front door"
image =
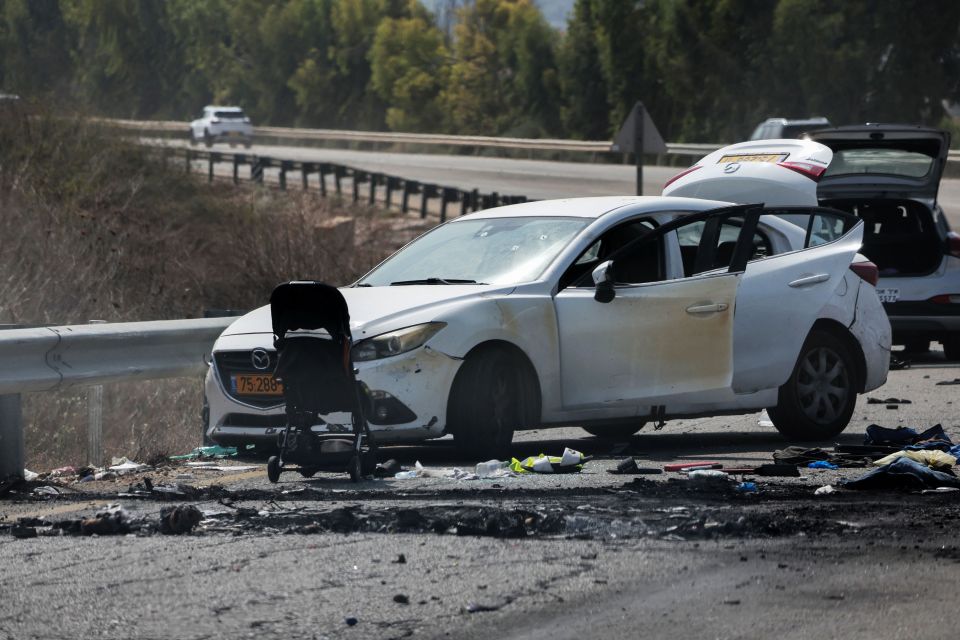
[{"x": 657, "y": 340}]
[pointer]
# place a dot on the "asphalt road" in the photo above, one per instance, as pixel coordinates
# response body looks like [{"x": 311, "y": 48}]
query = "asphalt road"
[
  {"x": 536, "y": 179},
  {"x": 598, "y": 555}
]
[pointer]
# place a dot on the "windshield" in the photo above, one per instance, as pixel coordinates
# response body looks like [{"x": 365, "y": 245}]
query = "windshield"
[
  {"x": 488, "y": 251},
  {"x": 898, "y": 162}
]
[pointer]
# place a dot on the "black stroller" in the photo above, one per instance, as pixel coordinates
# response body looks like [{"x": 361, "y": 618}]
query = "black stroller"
[{"x": 311, "y": 328}]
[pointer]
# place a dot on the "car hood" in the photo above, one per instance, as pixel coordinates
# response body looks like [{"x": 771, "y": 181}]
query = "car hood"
[{"x": 374, "y": 310}]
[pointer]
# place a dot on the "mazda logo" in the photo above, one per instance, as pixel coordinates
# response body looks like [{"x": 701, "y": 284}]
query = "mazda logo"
[
  {"x": 260, "y": 359},
  {"x": 731, "y": 167}
]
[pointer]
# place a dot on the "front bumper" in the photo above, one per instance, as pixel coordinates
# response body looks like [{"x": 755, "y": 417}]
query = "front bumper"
[{"x": 420, "y": 380}]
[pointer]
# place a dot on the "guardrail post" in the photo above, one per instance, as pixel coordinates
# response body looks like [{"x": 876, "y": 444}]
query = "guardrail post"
[
  {"x": 188, "y": 155},
  {"x": 238, "y": 158},
  {"x": 449, "y": 194},
  {"x": 409, "y": 186},
  {"x": 338, "y": 173},
  {"x": 11, "y": 437},
  {"x": 306, "y": 168},
  {"x": 374, "y": 179},
  {"x": 212, "y": 158},
  {"x": 428, "y": 191},
  {"x": 475, "y": 199},
  {"x": 358, "y": 177},
  {"x": 285, "y": 165},
  {"x": 323, "y": 169},
  {"x": 392, "y": 183},
  {"x": 256, "y": 169}
]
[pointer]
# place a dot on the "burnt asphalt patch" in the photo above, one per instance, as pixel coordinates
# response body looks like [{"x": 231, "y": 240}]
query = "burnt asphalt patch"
[{"x": 672, "y": 510}]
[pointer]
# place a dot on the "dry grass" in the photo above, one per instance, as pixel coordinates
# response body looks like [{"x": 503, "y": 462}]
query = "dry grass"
[{"x": 96, "y": 228}]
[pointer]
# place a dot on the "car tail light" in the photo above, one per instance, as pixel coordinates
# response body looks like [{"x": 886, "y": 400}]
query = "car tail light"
[
  {"x": 812, "y": 171},
  {"x": 946, "y": 298},
  {"x": 867, "y": 271},
  {"x": 680, "y": 175},
  {"x": 953, "y": 243}
]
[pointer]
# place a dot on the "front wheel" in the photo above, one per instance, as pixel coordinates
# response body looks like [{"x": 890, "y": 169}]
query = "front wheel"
[
  {"x": 273, "y": 469},
  {"x": 816, "y": 403},
  {"x": 486, "y": 405}
]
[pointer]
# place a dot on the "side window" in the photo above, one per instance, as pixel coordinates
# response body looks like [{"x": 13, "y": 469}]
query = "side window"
[
  {"x": 824, "y": 228},
  {"x": 691, "y": 238},
  {"x": 579, "y": 274}
]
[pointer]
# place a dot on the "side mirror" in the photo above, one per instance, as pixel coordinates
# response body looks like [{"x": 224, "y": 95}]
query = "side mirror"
[{"x": 603, "y": 279}]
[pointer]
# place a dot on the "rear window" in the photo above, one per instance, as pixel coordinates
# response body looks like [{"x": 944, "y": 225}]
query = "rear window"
[
  {"x": 229, "y": 115},
  {"x": 897, "y": 162}
]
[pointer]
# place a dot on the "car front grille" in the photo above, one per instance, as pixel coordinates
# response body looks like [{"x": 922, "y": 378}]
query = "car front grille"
[{"x": 231, "y": 363}]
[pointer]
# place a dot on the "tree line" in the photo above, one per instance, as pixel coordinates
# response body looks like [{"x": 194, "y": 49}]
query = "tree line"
[{"x": 707, "y": 70}]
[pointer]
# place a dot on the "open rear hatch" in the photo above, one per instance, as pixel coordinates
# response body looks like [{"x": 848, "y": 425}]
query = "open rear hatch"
[
  {"x": 883, "y": 160},
  {"x": 888, "y": 176},
  {"x": 773, "y": 172}
]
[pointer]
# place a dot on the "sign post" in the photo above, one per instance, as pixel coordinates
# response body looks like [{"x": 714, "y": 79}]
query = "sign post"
[{"x": 638, "y": 136}]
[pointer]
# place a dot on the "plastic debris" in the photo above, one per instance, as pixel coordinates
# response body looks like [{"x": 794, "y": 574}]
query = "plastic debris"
[
  {"x": 822, "y": 464},
  {"x": 825, "y": 490},
  {"x": 709, "y": 477},
  {"x": 30, "y": 476},
  {"x": 764, "y": 420},
  {"x": 747, "y": 487},
  {"x": 213, "y": 451},
  {"x": 45, "y": 490},
  {"x": 493, "y": 469},
  {"x": 570, "y": 462},
  {"x": 123, "y": 465}
]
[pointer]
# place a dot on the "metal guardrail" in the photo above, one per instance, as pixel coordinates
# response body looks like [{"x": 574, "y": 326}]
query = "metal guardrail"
[
  {"x": 433, "y": 139},
  {"x": 395, "y": 190},
  {"x": 49, "y": 358},
  {"x": 385, "y": 137}
]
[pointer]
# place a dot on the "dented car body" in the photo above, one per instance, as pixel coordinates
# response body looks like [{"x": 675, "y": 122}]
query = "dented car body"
[{"x": 604, "y": 313}]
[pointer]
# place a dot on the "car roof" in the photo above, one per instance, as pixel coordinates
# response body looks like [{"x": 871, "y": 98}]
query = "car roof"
[
  {"x": 801, "y": 121},
  {"x": 880, "y": 126},
  {"x": 595, "y": 207},
  {"x": 218, "y": 108}
]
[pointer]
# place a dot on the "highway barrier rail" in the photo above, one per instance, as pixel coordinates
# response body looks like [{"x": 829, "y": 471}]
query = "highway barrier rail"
[
  {"x": 364, "y": 185},
  {"x": 49, "y": 358},
  {"x": 181, "y": 129}
]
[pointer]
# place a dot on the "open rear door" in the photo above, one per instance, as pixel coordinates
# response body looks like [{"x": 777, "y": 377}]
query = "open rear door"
[
  {"x": 774, "y": 172},
  {"x": 781, "y": 296}
]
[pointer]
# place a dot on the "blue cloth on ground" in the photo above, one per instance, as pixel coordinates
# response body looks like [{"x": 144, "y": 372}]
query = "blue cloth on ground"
[
  {"x": 822, "y": 464},
  {"x": 907, "y": 437},
  {"x": 904, "y": 473}
]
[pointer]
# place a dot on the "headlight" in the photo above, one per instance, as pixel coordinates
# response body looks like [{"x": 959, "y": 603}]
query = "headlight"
[{"x": 395, "y": 342}]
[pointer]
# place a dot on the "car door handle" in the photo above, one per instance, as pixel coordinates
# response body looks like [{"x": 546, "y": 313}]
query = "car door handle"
[
  {"x": 806, "y": 281},
  {"x": 703, "y": 309}
]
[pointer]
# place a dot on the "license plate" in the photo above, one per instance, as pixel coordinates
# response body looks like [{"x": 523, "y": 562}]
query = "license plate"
[
  {"x": 888, "y": 294},
  {"x": 255, "y": 385},
  {"x": 753, "y": 157}
]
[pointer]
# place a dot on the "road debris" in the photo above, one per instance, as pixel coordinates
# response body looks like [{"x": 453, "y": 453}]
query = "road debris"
[
  {"x": 825, "y": 490},
  {"x": 570, "y": 462},
  {"x": 906, "y": 474},
  {"x": 179, "y": 519}
]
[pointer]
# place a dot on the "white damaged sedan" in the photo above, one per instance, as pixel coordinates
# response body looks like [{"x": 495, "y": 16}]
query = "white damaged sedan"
[{"x": 604, "y": 313}]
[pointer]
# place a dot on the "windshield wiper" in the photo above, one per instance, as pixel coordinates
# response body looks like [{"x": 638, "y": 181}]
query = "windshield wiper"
[{"x": 434, "y": 281}]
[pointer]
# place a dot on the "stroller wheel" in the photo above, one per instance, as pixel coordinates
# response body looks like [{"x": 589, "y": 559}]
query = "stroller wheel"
[
  {"x": 273, "y": 469},
  {"x": 354, "y": 469}
]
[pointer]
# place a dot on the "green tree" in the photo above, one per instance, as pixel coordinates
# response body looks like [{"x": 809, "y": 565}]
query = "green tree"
[
  {"x": 409, "y": 68},
  {"x": 503, "y": 78},
  {"x": 35, "y": 45},
  {"x": 584, "y": 111}
]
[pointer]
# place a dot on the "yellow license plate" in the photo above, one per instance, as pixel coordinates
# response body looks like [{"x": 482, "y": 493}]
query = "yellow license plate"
[
  {"x": 256, "y": 385},
  {"x": 754, "y": 157}
]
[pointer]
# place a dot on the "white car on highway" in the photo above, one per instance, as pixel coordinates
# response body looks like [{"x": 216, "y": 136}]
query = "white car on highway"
[
  {"x": 604, "y": 313},
  {"x": 218, "y": 124}
]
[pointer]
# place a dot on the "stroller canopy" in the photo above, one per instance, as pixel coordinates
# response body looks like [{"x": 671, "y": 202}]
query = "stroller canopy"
[{"x": 307, "y": 305}]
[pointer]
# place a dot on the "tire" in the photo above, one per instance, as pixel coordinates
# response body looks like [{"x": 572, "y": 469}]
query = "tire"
[
  {"x": 812, "y": 406},
  {"x": 486, "y": 405},
  {"x": 951, "y": 347},
  {"x": 355, "y": 469},
  {"x": 615, "y": 432},
  {"x": 273, "y": 469},
  {"x": 207, "y": 138}
]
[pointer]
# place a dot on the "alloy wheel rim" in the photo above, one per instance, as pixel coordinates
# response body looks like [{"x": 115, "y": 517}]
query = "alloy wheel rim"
[{"x": 823, "y": 385}]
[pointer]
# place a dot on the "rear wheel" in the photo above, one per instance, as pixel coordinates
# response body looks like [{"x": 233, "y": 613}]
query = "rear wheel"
[
  {"x": 817, "y": 401},
  {"x": 951, "y": 347},
  {"x": 613, "y": 432},
  {"x": 486, "y": 405}
]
